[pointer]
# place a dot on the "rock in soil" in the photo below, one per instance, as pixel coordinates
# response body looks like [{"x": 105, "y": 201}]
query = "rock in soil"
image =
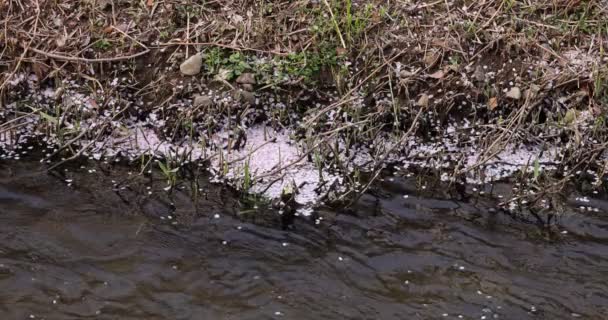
[
  {"x": 246, "y": 78},
  {"x": 202, "y": 101},
  {"x": 404, "y": 74},
  {"x": 192, "y": 66},
  {"x": 245, "y": 97},
  {"x": 514, "y": 93},
  {"x": 423, "y": 101},
  {"x": 479, "y": 74}
]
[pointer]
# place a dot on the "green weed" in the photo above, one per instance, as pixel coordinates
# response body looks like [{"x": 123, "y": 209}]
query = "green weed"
[
  {"x": 213, "y": 60},
  {"x": 508, "y": 4},
  {"x": 536, "y": 169},
  {"x": 102, "y": 44},
  {"x": 454, "y": 61},
  {"x": 304, "y": 65},
  {"x": 232, "y": 63},
  {"x": 347, "y": 24},
  {"x": 247, "y": 180},
  {"x": 600, "y": 85},
  {"x": 169, "y": 172}
]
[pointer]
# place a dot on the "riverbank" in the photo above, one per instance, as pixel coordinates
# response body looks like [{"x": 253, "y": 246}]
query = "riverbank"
[{"x": 315, "y": 97}]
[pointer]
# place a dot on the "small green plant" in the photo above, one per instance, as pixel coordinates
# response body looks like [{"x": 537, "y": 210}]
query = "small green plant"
[
  {"x": 600, "y": 85},
  {"x": 569, "y": 118},
  {"x": 318, "y": 161},
  {"x": 169, "y": 173},
  {"x": 454, "y": 61},
  {"x": 143, "y": 163},
  {"x": 471, "y": 28},
  {"x": 213, "y": 60},
  {"x": 339, "y": 23},
  {"x": 102, "y": 44},
  {"x": 583, "y": 23},
  {"x": 237, "y": 64},
  {"x": 508, "y": 4},
  {"x": 305, "y": 65},
  {"x": 247, "y": 181},
  {"x": 164, "y": 35},
  {"x": 48, "y": 118},
  {"x": 599, "y": 124},
  {"x": 488, "y": 91},
  {"x": 536, "y": 169},
  {"x": 357, "y": 22},
  {"x": 231, "y": 66},
  {"x": 183, "y": 11}
]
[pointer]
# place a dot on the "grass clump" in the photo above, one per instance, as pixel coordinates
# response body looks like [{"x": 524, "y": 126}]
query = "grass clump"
[
  {"x": 305, "y": 66},
  {"x": 230, "y": 64},
  {"x": 169, "y": 172}
]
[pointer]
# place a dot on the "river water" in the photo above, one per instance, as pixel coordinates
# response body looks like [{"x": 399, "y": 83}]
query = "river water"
[{"x": 73, "y": 245}]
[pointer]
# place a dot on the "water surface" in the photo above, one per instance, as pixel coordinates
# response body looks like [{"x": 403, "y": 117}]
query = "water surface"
[{"x": 74, "y": 247}]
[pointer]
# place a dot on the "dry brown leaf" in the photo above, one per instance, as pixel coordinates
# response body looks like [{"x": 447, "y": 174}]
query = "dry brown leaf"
[
  {"x": 423, "y": 101},
  {"x": 430, "y": 58},
  {"x": 439, "y": 74},
  {"x": 376, "y": 18},
  {"x": 492, "y": 103},
  {"x": 40, "y": 70}
]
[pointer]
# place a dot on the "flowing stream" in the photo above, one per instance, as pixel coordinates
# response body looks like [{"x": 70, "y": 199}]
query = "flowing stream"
[{"x": 75, "y": 246}]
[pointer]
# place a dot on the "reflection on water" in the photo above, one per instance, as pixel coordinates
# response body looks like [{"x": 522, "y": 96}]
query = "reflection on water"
[{"x": 85, "y": 251}]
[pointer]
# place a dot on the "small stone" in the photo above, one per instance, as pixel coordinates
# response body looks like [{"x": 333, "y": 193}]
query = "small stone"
[
  {"x": 479, "y": 74},
  {"x": 404, "y": 74},
  {"x": 202, "y": 101},
  {"x": 192, "y": 66},
  {"x": 124, "y": 27},
  {"x": 58, "y": 22},
  {"x": 246, "y": 78},
  {"x": 514, "y": 93},
  {"x": 246, "y": 97},
  {"x": 534, "y": 88}
]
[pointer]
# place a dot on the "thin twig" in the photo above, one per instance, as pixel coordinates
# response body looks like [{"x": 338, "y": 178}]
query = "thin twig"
[
  {"x": 381, "y": 162},
  {"x": 333, "y": 18},
  {"x": 96, "y": 60},
  {"x": 215, "y": 44}
]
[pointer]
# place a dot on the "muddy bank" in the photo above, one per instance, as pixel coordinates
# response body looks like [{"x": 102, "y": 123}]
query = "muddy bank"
[
  {"x": 315, "y": 97},
  {"x": 267, "y": 158}
]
